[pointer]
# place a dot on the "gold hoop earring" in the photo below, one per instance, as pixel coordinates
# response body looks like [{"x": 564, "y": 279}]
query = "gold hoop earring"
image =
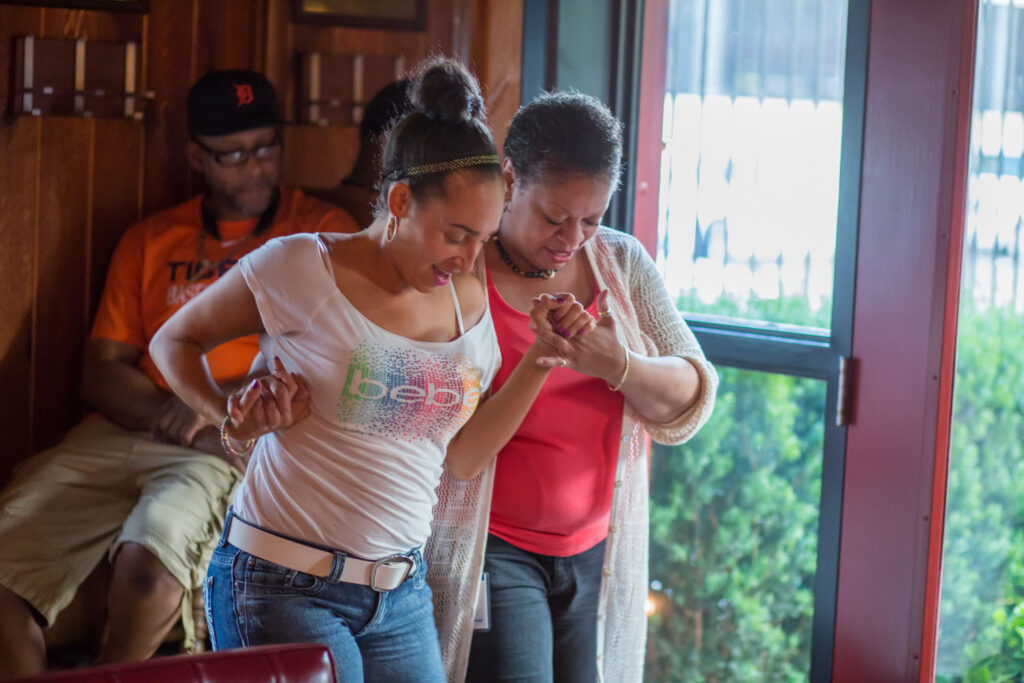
[{"x": 392, "y": 229}]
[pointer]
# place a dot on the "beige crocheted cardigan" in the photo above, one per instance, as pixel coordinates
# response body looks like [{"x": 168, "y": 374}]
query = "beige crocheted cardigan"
[{"x": 649, "y": 324}]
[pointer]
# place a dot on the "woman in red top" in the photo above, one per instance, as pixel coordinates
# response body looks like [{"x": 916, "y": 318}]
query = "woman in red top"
[{"x": 569, "y": 477}]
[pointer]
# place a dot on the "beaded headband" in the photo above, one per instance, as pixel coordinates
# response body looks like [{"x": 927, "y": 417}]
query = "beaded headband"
[{"x": 442, "y": 166}]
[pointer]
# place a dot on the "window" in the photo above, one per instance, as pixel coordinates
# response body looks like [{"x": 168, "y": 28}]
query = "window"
[
  {"x": 762, "y": 104},
  {"x": 734, "y": 531},
  {"x": 750, "y": 175}
]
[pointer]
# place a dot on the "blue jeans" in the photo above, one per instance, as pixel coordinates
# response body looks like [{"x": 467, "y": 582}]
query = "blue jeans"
[
  {"x": 372, "y": 636},
  {"x": 543, "y": 616}
]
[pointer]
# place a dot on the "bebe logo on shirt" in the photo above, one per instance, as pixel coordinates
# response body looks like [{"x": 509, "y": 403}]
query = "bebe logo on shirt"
[
  {"x": 371, "y": 389},
  {"x": 407, "y": 393}
]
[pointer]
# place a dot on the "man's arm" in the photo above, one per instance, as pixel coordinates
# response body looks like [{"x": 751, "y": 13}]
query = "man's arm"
[{"x": 113, "y": 384}]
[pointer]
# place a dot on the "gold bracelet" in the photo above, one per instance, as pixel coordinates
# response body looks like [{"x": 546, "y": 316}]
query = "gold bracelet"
[
  {"x": 625, "y": 372},
  {"x": 225, "y": 440}
]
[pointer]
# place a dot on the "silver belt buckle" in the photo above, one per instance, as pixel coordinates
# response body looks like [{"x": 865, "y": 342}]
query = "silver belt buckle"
[{"x": 390, "y": 561}]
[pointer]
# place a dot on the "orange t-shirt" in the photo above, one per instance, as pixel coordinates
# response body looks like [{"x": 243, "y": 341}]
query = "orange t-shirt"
[{"x": 156, "y": 269}]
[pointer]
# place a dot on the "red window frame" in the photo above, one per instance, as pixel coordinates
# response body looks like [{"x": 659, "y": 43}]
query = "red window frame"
[{"x": 910, "y": 237}]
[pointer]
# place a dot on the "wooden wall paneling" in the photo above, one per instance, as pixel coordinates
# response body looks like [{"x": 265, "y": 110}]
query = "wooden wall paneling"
[
  {"x": 228, "y": 35},
  {"x": 117, "y": 172},
  {"x": 60, "y": 24},
  {"x": 65, "y": 157},
  {"x": 14, "y": 22},
  {"x": 337, "y": 40},
  {"x": 18, "y": 173},
  {"x": 91, "y": 24},
  {"x": 463, "y": 24},
  {"x": 497, "y": 60},
  {"x": 442, "y": 20},
  {"x": 342, "y": 40},
  {"x": 318, "y": 157},
  {"x": 65, "y": 296},
  {"x": 279, "y": 63},
  {"x": 169, "y": 72},
  {"x": 284, "y": 40},
  {"x": 260, "y": 9}
]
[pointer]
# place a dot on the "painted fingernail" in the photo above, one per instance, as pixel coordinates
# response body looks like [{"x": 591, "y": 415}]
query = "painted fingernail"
[{"x": 255, "y": 384}]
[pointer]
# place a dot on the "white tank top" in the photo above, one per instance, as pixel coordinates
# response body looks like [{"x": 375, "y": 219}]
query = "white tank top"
[{"x": 359, "y": 474}]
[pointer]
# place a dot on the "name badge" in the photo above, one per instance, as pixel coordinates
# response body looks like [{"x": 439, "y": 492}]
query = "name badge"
[{"x": 482, "y": 618}]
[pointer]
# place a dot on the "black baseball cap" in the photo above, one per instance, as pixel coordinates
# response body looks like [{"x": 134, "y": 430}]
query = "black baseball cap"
[{"x": 229, "y": 101}]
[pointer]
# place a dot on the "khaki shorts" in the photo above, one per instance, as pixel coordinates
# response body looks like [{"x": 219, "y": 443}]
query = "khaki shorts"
[{"x": 102, "y": 486}]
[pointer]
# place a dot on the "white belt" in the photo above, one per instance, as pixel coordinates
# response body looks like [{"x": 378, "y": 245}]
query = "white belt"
[{"x": 383, "y": 575}]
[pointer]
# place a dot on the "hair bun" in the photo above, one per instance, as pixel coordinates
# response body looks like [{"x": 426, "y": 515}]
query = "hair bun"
[{"x": 445, "y": 89}]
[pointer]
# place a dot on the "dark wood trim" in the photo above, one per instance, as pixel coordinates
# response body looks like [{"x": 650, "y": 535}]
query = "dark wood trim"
[
  {"x": 625, "y": 77},
  {"x": 105, "y": 5},
  {"x": 417, "y": 23}
]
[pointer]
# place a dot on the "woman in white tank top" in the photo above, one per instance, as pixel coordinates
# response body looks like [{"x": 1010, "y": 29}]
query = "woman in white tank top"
[{"x": 390, "y": 332}]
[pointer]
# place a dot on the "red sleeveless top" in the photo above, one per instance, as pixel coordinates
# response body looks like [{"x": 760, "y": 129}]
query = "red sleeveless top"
[{"x": 553, "y": 480}]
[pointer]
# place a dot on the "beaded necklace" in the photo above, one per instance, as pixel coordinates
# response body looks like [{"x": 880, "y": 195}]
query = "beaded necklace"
[{"x": 546, "y": 274}]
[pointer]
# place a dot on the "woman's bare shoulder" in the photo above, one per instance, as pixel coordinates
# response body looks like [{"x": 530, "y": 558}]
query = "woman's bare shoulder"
[
  {"x": 472, "y": 297},
  {"x": 340, "y": 239}
]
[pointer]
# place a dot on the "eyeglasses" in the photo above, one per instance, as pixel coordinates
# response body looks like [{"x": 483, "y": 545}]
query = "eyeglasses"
[{"x": 234, "y": 158}]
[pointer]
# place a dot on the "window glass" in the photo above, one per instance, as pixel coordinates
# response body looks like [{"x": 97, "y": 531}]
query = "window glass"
[
  {"x": 981, "y": 610},
  {"x": 734, "y": 529},
  {"x": 749, "y": 182}
]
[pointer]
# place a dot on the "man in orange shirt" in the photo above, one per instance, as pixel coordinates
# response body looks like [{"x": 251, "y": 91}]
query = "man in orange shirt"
[{"x": 145, "y": 482}]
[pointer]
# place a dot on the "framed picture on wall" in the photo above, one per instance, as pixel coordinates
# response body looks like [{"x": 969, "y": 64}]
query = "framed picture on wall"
[
  {"x": 397, "y": 15},
  {"x": 110, "y": 5}
]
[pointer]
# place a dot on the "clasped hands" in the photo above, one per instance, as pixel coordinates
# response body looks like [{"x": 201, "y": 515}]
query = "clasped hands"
[
  {"x": 568, "y": 336},
  {"x": 268, "y": 403}
]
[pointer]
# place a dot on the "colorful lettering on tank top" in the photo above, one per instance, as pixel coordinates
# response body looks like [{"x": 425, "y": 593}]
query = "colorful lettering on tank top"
[{"x": 407, "y": 393}]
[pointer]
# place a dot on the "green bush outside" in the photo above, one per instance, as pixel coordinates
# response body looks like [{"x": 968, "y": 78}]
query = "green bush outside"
[
  {"x": 734, "y": 518},
  {"x": 981, "y": 613}
]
